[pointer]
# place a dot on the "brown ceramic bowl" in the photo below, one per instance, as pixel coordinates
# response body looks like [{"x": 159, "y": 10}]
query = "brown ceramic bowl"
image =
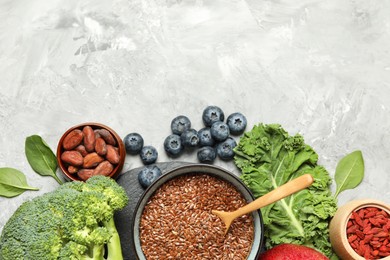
[
  {"x": 338, "y": 227},
  {"x": 119, "y": 144}
]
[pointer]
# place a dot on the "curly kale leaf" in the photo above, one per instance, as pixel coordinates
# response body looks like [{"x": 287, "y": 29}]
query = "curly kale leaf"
[{"x": 268, "y": 158}]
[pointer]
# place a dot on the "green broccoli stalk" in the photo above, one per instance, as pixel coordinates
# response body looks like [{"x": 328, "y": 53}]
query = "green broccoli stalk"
[
  {"x": 76, "y": 221},
  {"x": 114, "y": 245}
]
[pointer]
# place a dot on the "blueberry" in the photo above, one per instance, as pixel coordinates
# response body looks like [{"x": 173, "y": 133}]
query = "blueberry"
[
  {"x": 148, "y": 154},
  {"x": 206, "y": 154},
  {"x": 179, "y": 124},
  {"x": 237, "y": 123},
  {"x": 219, "y": 131},
  {"x": 205, "y": 138},
  {"x": 189, "y": 138},
  {"x": 133, "y": 143},
  {"x": 148, "y": 174},
  {"x": 173, "y": 145},
  {"x": 212, "y": 114},
  {"x": 231, "y": 141},
  {"x": 225, "y": 149}
]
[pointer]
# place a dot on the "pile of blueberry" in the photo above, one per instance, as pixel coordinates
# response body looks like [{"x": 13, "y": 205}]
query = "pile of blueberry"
[
  {"x": 213, "y": 140},
  {"x": 134, "y": 144}
]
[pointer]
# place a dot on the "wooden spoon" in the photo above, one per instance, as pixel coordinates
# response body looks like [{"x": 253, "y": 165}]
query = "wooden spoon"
[{"x": 279, "y": 193}]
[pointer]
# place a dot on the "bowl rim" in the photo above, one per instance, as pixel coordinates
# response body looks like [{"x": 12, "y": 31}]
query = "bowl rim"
[
  {"x": 215, "y": 171},
  {"x": 122, "y": 152}
]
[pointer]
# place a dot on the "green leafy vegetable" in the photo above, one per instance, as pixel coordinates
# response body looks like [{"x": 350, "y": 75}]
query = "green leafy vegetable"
[
  {"x": 13, "y": 182},
  {"x": 75, "y": 221},
  {"x": 40, "y": 157},
  {"x": 268, "y": 158},
  {"x": 349, "y": 172}
]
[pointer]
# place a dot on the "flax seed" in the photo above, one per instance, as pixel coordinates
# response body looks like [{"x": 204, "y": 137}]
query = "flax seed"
[{"x": 177, "y": 222}]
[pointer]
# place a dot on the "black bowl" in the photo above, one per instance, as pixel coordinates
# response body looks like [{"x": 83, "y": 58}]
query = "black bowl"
[{"x": 214, "y": 171}]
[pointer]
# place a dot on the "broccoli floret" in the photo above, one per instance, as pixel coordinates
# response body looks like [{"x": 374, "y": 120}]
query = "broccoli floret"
[{"x": 76, "y": 221}]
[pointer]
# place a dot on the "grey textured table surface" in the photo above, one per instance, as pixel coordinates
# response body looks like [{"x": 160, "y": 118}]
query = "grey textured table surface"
[{"x": 319, "y": 68}]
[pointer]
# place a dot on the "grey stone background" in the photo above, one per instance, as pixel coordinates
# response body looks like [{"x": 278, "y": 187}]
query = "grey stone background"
[{"x": 319, "y": 68}]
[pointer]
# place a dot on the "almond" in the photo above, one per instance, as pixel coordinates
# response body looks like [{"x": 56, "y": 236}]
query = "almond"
[
  {"x": 72, "y": 157},
  {"x": 73, "y": 139},
  {"x": 89, "y": 138},
  {"x": 72, "y": 169},
  {"x": 85, "y": 174},
  {"x": 92, "y": 160},
  {"x": 104, "y": 168},
  {"x": 100, "y": 146},
  {"x": 81, "y": 149},
  {"x": 97, "y": 135},
  {"x": 112, "y": 155},
  {"x": 107, "y": 136}
]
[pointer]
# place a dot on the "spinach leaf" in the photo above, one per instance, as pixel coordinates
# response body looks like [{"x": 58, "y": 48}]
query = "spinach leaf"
[
  {"x": 13, "y": 183},
  {"x": 40, "y": 157},
  {"x": 268, "y": 157},
  {"x": 349, "y": 172}
]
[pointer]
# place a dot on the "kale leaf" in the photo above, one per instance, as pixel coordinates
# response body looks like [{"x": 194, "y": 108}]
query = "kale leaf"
[{"x": 268, "y": 157}]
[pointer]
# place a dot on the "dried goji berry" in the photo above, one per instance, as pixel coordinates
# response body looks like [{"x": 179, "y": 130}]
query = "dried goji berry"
[
  {"x": 381, "y": 234},
  {"x": 370, "y": 214},
  {"x": 361, "y": 213},
  {"x": 352, "y": 238},
  {"x": 352, "y": 229},
  {"x": 359, "y": 251},
  {"x": 355, "y": 244},
  {"x": 368, "y": 232},
  {"x": 349, "y": 224},
  {"x": 375, "y": 244},
  {"x": 383, "y": 213},
  {"x": 367, "y": 254},
  {"x": 384, "y": 253},
  {"x": 367, "y": 229},
  {"x": 374, "y": 222},
  {"x": 368, "y": 238},
  {"x": 357, "y": 219},
  {"x": 360, "y": 234},
  {"x": 387, "y": 225}
]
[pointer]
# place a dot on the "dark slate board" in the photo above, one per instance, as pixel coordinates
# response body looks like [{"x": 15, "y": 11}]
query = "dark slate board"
[{"x": 124, "y": 218}]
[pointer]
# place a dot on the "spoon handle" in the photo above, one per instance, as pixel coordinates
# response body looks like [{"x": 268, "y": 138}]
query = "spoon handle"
[{"x": 279, "y": 193}]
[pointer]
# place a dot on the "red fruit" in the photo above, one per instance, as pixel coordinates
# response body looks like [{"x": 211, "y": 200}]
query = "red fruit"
[{"x": 292, "y": 252}]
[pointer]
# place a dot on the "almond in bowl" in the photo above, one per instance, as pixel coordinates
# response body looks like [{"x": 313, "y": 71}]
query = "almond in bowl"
[{"x": 90, "y": 149}]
